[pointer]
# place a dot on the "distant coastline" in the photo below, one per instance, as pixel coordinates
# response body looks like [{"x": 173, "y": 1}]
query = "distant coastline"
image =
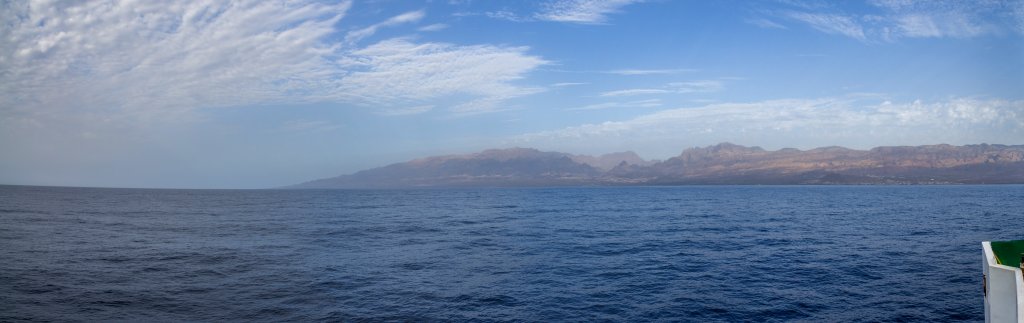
[{"x": 722, "y": 164}]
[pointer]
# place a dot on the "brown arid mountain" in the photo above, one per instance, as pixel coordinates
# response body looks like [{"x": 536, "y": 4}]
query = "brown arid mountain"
[
  {"x": 732, "y": 164},
  {"x": 719, "y": 164}
]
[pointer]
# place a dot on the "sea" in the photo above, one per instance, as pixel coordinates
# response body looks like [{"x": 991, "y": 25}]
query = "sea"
[{"x": 685, "y": 253}]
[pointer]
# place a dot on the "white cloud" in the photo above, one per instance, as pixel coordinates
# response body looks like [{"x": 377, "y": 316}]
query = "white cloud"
[
  {"x": 849, "y": 122},
  {"x": 408, "y": 17},
  {"x": 581, "y": 11}
]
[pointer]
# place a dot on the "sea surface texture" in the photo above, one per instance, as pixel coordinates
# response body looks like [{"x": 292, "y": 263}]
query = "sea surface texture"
[{"x": 698, "y": 253}]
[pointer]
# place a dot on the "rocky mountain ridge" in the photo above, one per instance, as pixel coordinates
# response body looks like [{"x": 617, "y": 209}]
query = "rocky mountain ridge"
[{"x": 724, "y": 163}]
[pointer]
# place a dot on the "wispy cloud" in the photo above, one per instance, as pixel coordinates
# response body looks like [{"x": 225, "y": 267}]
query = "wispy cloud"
[
  {"x": 915, "y": 19},
  {"x": 581, "y": 11},
  {"x": 650, "y": 103},
  {"x": 564, "y": 84},
  {"x": 398, "y": 72},
  {"x": 433, "y": 27},
  {"x": 496, "y": 14},
  {"x": 406, "y": 111},
  {"x": 629, "y": 92},
  {"x": 957, "y": 25},
  {"x": 765, "y": 23},
  {"x": 697, "y": 86},
  {"x": 832, "y": 24},
  {"x": 919, "y": 26},
  {"x": 408, "y": 17},
  {"x": 506, "y": 15},
  {"x": 703, "y": 86},
  {"x": 1017, "y": 12},
  {"x": 942, "y": 18},
  {"x": 857, "y": 123},
  {"x": 480, "y": 106}
]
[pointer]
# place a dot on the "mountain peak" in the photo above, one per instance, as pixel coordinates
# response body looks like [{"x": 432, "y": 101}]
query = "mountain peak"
[
  {"x": 728, "y": 146},
  {"x": 723, "y": 150},
  {"x": 608, "y": 161}
]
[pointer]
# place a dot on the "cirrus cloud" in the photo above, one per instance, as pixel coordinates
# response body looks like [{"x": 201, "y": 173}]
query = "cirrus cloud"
[
  {"x": 139, "y": 57},
  {"x": 897, "y": 19},
  {"x": 147, "y": 61},
  {"x": 408, "y": 17},
  {"x": 581, "y": 11},
  {"x": 398, "y": 71}
]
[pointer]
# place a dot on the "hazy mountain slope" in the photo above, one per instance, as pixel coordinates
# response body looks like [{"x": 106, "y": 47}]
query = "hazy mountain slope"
[
  {"x": 608, "y": 161},
  {"x": 499, "y": 167}
]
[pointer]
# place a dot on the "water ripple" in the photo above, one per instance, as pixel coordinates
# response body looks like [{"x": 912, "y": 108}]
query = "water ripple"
[{"x": 732, "y": 253}]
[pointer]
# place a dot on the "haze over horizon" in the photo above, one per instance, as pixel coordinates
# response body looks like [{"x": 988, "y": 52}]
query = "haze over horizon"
[{"x": 253, "y": 94}]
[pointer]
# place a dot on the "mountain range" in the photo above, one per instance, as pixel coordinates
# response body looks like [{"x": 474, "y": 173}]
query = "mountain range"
[{"x": 724, "y": 163}]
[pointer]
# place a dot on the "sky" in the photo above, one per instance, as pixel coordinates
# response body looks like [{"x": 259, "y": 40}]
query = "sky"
[{"x": 256, "y": 94}]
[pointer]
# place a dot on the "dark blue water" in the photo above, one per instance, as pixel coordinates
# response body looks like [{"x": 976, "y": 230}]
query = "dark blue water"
[{"x": 707, "y": 253}]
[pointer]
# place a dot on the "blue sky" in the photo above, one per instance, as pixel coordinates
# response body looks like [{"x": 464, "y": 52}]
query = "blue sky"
[{"x": 250, "y": 94}]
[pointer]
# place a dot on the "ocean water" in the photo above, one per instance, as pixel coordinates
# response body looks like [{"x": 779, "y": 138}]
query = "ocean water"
[{"x": 696, "y": 253}]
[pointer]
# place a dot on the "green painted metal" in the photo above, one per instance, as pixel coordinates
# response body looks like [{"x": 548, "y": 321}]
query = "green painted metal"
[{"x": 1008, "y": 252}]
